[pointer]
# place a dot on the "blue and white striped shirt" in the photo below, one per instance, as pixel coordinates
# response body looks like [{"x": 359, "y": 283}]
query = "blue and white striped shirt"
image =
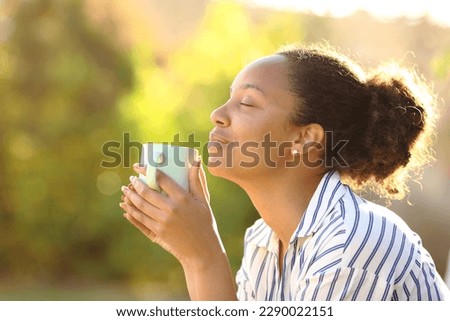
[{"x": 353, "y": 250}]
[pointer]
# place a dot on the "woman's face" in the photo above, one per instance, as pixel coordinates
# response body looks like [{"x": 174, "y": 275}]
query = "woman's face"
[{"x": 252, "y": 133}]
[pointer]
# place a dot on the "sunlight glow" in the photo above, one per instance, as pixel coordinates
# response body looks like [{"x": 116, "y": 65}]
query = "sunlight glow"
[{"x": 435, "y": 10}]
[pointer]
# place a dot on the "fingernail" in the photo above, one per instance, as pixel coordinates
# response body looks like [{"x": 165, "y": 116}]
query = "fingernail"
[
  {"x": 136, "y": 165},
  {"x": 132, "y": 178},
  {"x": 124, "y": 189},
  {"x": 122, "y": 205}
]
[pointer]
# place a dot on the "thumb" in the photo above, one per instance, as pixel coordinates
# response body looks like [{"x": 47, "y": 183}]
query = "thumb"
[
  {"x": 202, "y": 177},
  {"x": 197, "y": 182},
  {"x": 140, "y": 169}
]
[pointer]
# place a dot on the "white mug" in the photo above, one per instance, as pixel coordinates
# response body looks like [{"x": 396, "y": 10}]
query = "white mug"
[{"x": 175, "y": 161}]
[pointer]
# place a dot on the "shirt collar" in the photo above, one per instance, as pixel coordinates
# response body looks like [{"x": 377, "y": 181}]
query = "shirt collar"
[{"x": 325, "y": 197}]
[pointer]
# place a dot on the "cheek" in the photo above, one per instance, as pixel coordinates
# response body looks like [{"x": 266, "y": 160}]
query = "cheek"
[
  {"x": 265, "y": 136},
  {"x": 257, "y": 128},
  {"x": 260, "y": 140}
]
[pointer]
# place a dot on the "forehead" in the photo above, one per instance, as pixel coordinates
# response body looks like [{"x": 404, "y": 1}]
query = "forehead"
[{"x": 268, "y": 73}]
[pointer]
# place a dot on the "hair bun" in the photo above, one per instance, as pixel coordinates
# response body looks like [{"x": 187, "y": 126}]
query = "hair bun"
[
  {"x": 391, "y": 96},
  {"x": 396, "y": 118}
]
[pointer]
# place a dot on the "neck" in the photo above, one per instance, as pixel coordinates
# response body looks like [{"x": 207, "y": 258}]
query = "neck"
[{"x": 282, "y": 198}]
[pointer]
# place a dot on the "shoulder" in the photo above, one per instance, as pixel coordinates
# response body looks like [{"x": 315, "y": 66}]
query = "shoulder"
[
  {"x": 361, "y": 225},
  {"x": 365, "y": 220},
  {"x": 377, "y": 239}
]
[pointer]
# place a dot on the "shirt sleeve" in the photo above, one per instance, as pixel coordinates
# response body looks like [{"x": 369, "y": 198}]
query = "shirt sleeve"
[
  {"x": 245, "y": 291},
  {"x": 423, "y": 282},
  {"x": 244, "y": 288}
]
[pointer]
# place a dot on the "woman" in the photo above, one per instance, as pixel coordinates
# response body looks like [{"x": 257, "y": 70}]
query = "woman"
[{"x": 312, "y": 119}]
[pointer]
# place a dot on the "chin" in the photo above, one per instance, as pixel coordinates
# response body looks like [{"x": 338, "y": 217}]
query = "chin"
[
  {"x": 217, "y": 170},
  {"x": 235, "y": 174}
]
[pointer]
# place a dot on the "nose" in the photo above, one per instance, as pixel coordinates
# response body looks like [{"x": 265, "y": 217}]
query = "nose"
[{"x": 219, "y": 117}]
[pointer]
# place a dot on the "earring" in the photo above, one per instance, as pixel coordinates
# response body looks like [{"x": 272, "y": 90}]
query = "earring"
[{"x": 295, "y": 152}]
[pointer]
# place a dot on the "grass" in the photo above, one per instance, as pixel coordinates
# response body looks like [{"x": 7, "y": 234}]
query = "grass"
[{"x": 86, "y": 292}]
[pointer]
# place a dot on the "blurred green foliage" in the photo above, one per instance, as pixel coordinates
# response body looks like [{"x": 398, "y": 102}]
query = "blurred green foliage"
[
  {"x": 441, "y": 65},
  {"x": 58, "y": 102},
  {"x": 67, "y": 87}
]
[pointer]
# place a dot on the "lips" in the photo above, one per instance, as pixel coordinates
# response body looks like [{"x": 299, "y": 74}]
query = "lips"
[
  {"x": 216, "y": 144},
  {"x": 214, "y": 137}
]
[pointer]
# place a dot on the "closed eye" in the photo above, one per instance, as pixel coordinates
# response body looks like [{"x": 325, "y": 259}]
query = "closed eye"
[{"x": 245, "y": 104}]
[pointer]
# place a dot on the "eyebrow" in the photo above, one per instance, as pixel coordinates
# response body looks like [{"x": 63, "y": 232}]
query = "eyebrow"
[{"x": 249, "y": 86}]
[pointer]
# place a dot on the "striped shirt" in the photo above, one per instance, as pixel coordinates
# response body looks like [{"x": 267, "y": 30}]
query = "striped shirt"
[{"x": 353, "y": 250}]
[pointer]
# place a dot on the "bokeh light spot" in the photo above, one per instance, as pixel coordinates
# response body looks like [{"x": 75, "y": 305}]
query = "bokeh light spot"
[{"x": 108, "y": 183}]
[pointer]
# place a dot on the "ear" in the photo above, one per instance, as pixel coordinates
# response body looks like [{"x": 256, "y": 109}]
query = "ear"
[{"x": 309, "y": 135}]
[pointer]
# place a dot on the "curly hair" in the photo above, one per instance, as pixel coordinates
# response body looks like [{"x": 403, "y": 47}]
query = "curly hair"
[{"x": 386, "y": 116}]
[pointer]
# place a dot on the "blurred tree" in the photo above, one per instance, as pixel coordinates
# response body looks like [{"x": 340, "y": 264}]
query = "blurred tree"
[
  {"x": 441, "y": 65},
  {"x": 59, "y": 91}
]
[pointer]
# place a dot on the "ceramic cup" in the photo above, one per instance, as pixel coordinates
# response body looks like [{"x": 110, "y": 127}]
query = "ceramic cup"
[{"x": 173, "y": 160}]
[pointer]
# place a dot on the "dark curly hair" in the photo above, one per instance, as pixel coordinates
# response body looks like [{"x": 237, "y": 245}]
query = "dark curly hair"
[{"x": 386, "y": 116}]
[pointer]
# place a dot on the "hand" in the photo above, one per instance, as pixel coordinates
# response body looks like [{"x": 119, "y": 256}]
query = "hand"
[{"x": 181, "y": 222}]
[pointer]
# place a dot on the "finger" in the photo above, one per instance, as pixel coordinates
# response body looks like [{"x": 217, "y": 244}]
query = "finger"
[
  {"x": 141, "y": 205},
  {"x": 126, "y": 200},
  {"x": 139, "y": 216},
  {"x": 146, "y": 231},
  {"x": 203, "y": 181},
  {"x": 195, "y": 184},
  {"x": 151, "y": 196},
  {"x": 140, "y": 169},
  {"x": 168, "y": 185},
  {"x": 123, "y": 197}
]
